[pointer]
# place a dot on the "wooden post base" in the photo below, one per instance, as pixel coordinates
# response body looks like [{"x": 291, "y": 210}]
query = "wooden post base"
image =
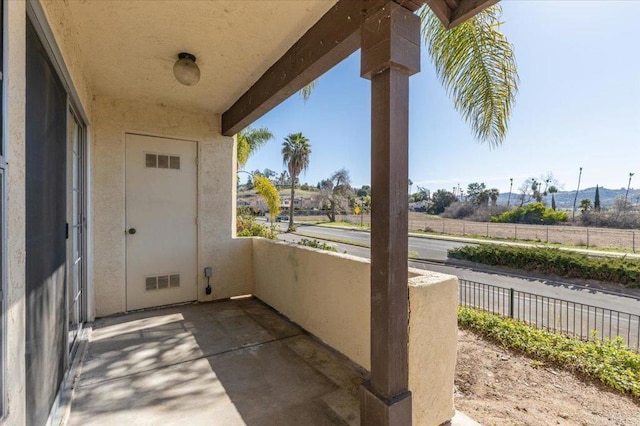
[{"x": 376, "y": 411}]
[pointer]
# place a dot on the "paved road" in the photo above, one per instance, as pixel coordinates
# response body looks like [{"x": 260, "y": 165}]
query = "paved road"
[
  {"x": 423, "y": 247},
  {"x": 436, "y": 249}
]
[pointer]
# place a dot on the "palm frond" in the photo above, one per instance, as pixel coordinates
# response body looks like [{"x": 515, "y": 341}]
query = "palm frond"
[
  {"x": 249, "y": 141},
  {"x": 476, "y": 65},
  {"x": 306, "y": 91}
]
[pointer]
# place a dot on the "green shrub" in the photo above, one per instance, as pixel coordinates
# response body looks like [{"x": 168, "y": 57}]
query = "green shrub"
[
  {"x": 608, "y": 361},
  {"x": 247, "y": 226},
  {"x": 554, "y": 262},
  {"x": 317, "y": 244},
  {"x": 536, "y": 214}
]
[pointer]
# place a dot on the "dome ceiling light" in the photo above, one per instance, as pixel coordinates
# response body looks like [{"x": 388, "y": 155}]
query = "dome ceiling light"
[{"x": 186, "y": 70}]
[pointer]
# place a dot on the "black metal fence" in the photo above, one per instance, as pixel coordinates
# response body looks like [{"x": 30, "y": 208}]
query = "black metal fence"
[{"x": 586, "y": 322}]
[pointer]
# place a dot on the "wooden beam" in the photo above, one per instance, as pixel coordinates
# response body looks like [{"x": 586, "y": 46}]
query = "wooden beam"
[
  {"x": 467, "y": 9},
  {"x": 454, "y": 12},
  {"x": 334, "y": 37}
]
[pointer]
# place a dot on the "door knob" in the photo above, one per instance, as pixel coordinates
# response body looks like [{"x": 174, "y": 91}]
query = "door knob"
[{"x": 132, "y": 231}]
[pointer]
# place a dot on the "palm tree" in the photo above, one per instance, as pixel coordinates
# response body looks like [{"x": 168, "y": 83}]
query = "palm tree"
[
  {"x": 249, "y": 140},
  {"x": 295, "y": 155},
  {"x": 477, "y": 66}
]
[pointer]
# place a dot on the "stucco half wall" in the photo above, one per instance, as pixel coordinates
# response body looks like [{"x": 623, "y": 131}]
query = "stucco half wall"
[
  {"x": 433, "y": 332},
  {"x": 329, "y": 295},
  {"x": 325, "y": 293},
  {"x": 229, "y": 257}
]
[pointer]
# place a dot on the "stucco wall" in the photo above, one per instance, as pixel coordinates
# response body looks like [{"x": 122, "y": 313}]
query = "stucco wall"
[
  {"x": 433, "y": 331},
  {"x": 229, "y": 257},
  {"x": 14, "y": 374},
  {"x": 67, "y": 39},
  {"x": 329, "y": 295},
  {"x": 326, "y": 293}
]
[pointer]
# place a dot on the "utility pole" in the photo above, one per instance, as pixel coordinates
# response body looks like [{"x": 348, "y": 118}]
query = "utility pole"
[
  {"x": 626, "y": 194},
  {"x": 575, "y": 200},
  {"x": 510, "y": 188}
]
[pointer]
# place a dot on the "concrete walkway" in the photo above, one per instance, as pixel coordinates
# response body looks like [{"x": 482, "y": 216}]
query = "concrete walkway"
[{"x": 225, "y": 363}]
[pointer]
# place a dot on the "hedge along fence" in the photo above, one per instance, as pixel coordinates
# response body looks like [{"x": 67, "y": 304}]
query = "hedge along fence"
[
  {"x": 608, "y": 361},
  {"x": 554, "y": 262}
]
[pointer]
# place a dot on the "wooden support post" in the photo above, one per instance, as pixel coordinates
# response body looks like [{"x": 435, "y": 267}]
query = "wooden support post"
[{"x": 390, "y": 54}]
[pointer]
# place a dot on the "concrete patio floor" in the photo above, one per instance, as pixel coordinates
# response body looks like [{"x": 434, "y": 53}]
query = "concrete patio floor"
[{"x": 235, "y": 362}]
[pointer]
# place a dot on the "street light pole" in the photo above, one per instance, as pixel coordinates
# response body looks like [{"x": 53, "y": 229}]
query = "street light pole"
[
  {"x": 510, "y": 188},
  {"x": 626, "y": 194},
  {"x": 575, "y": 200}
]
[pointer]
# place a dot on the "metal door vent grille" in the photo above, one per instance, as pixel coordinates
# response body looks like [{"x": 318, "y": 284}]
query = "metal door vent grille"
[
  {"x": 162, "y": 282},
  {"x": 174, "y": 280},
  {"x": 151, "y": 283},
  {"x": 174, "y": 163},
  {"x": 162, "y": 161},
  {"x": 151, "y": 160}
]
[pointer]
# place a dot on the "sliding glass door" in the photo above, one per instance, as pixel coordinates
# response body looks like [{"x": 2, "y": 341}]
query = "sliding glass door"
[{"x": 76, "y": 227}]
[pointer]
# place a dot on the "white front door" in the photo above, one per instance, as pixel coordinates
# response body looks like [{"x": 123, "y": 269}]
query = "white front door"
[{"x": 161, "y": 215}]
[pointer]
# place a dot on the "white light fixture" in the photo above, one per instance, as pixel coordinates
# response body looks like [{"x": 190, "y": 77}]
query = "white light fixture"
[{"x": 186, "y": 70}]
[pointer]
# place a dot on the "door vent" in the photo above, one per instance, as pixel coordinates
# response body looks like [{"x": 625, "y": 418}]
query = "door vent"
[
  {"x": 174, "y": 280},
  {"x": 151, "y": 283},
  {"x": 174, "y": 163},
  {"x": 163, "y": 161},
  {"x": 162, "y": 282},
  {"x": 151, "y": 160}
]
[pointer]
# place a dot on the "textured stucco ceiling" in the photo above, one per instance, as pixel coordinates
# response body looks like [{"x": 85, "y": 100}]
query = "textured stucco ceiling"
[{"x": 129, "y": 47}]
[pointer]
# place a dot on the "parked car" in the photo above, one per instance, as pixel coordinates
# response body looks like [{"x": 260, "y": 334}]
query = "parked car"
[{"x": 282, "y": 218}]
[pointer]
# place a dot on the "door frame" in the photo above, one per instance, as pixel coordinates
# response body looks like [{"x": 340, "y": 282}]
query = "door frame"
[
  {"x": 124, "y": 213},
  {"x": 83, "y": 207}
]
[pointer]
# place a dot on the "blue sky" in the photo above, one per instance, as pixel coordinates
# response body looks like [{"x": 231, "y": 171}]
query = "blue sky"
[{"x": 578, "y": 106}]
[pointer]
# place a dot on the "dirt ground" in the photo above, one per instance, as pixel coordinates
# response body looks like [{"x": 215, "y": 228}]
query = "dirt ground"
[{"x": 495, "y": 386}]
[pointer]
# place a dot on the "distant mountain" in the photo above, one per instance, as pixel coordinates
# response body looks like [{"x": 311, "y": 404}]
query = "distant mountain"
[{"x": 564, "y": 199}]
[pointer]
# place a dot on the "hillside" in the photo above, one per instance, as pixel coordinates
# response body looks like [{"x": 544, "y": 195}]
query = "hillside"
[{"x": 564, "y": 199}]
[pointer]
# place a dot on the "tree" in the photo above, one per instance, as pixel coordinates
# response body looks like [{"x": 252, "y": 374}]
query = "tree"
[
  {"x": 476, "y": 64},
  {"x": 527, "y": 191},
  {"x": 268, "y": 173},
  {"x": 476, "y": 193},
  {"x": 596, "y": 200},
  {"x": 295, "y": 155},
  {"x": 269, "y": 194},
  {"x": 494, "y": 193},
  {"x": 423, "y": 194},
  {"x": 534, "y": 189},
  {"x": 553, "y": 190},
  {"x": 441, "y": 200},
  {"x": 336, "y": 189},
  {"x": 585, "y": 205},
  {"x": 249, "y": 141},
  {"x": 283, "y": 179},
  {"x": 364, "y": 191}
]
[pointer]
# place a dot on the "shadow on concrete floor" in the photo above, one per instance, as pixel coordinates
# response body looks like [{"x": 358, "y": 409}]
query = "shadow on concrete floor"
[{"x": 235, "y": 362}]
